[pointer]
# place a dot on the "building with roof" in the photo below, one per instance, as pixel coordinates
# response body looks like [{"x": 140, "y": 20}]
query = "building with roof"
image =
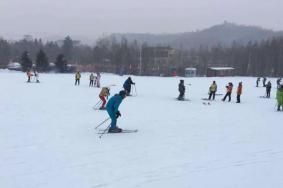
[{"x": 220, "y": 71}]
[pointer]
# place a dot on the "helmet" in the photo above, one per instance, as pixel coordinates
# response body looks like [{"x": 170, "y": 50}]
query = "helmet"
[{"x": 122, "y": 93}]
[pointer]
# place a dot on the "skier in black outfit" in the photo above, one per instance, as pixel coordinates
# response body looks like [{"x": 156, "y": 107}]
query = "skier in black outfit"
[
  {"x": 257, "y": 81},
  {"x": 127, "y": 86},
  {"x": 263, "y": 82},
  {"x": 268, "y": 89},
  {"x": 278, "y": 83},
  {"x": 181, "y": 90}
]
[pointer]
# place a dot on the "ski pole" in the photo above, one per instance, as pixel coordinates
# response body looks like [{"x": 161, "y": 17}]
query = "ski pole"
[
  {"x": 97, "y": 104},
  {"x": 136, "y": 90},
  {"x": 102, "y": 123},
  {"x": 103, "y": 133}
]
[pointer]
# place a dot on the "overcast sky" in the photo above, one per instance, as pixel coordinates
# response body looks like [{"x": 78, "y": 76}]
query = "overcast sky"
[{"x": 92, "y": 18}]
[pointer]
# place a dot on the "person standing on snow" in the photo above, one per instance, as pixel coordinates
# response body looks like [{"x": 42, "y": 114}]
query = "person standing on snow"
[
  {"x": 268, "y": 89},
  {"x": 279, "y": 97},
  {"x": 78, "y": 77},
  {"x": 212, "y": 91},
  {"x": 229, "y": 89},
  {"x": 263, "y": 82},
  {"x": 98, "y": 76},
  {"x": 127, "y": 86},
  {"x": 239, "y": 92},
  {"x": 36, "y": 75},
  {"x": 91, "y": 79},
  {"x": 182, "y": 90},
  {"x": 257, "y": 81},
  {"x": 104, "y": 93},
  {"x": 278, "y": 82},
  {"x": 112, "y": 108},
  {"x": 29, "y": 75}
]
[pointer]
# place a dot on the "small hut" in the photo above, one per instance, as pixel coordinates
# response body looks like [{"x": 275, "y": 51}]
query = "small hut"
[{"x": 190, "y": 72}]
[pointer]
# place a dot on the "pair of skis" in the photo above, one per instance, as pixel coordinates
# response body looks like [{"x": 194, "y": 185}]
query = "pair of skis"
[
  {"x": 102, "y": 132},
  {"x": 204, "y": 102},
  {"x": 106, "y": 131}
]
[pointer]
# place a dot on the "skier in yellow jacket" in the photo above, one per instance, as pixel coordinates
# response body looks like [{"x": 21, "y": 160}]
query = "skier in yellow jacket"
[
  {"x": 78, "y": 77},
  {"x": 212, "y": 91},
  {"x": 105, "y": 92}
]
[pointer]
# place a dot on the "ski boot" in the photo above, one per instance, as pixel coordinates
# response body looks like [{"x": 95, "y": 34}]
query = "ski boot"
[{"x": 115, "y": 130}]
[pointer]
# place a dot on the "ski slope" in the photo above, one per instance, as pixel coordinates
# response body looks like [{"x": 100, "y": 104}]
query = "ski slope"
[{"x": 47, "y": 136}]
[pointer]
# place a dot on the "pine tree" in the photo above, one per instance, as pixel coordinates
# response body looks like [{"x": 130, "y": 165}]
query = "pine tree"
[
  {"x": 67, "y": 48},
  {"x": 42, "y": 63},
  {"x": 26, "y": 61},
  {"x": 61, "y": 63}
]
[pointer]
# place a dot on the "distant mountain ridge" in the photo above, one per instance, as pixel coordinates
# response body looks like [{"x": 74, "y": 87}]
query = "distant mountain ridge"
[{"x": 224, "y": 34}]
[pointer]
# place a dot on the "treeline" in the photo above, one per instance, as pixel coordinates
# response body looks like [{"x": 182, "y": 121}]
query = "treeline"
[{"x": 263, "y": 58}]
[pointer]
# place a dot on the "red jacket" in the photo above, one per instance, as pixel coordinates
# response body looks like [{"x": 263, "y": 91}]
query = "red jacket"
[{"x": 239, "y": 90}]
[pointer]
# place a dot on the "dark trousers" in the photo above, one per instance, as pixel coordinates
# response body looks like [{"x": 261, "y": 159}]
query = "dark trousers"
[
  {"x": 238, "y": 98},
  {"x": 181, "y": 95},
  {"x": 28, "y": 78},
  {"x": 256, "y": 84},
  {"x": 211, "y": 94},
  {"x": 77, "y": 82},
  {"x": 91, "y": 83},
  {"x": 228, "y": 94},
  {"x": 268, "y": 93},
  {"x": 128, "y": 91}
]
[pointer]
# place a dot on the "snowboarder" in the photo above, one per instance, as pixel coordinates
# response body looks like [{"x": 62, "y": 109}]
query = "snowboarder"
[
  {"x": 279, "y": 97},
  {"x": 268, "y": 89},
  {"x": 29, "y": 75},
  {"x": 98, "y": 76},
  {"x": 239, "y": 92},
  {"x": 264, "y": 82},
  {"x": 36, "y": 75},
  {"x": 229, "y": 89},
  {"x": 127, "y": 86},
  {"x": 112, "y": 109},
  {"x": 279, "y": 82},
  {"x": 91, "y": 79},
  {"x": 78, "y": 77},
  {"x": 105, "y": 92},
  {"x": 212, "y": 91},
  {"x": 182, "y": 90},
  {"x": 257, "y": 81}
]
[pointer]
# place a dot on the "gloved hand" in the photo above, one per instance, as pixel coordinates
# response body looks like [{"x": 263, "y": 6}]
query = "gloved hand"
[
  {"x": 134, "y": 83},
  {"x": 118, "y": 114}
]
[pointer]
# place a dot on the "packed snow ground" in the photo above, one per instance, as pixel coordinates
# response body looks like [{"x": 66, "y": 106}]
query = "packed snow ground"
[{"x": 47, "y": 136}]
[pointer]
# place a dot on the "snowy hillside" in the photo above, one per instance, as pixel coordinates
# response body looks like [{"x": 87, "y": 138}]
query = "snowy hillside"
[{"x": 47, "y": 136}]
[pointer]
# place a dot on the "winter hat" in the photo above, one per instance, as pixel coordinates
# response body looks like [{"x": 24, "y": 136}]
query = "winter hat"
[
  {"x": 122, "y": 93},
  {"x": 182, "y": 81}
]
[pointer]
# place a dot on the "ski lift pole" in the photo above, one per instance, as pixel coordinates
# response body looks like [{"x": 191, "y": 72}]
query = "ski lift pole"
[{"x": 102, "y": 123}]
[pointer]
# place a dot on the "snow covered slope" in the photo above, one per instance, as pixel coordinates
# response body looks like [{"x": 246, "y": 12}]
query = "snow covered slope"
[{"x": 47, "y": 136}]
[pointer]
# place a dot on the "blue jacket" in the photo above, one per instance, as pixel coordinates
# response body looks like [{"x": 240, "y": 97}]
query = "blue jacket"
[{"x": 114, "y": 103}]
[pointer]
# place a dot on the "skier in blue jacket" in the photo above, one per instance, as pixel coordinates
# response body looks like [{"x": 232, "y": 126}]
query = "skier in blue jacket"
[
  {"x": 127, "y": 85},
  {"x": 112, "y": 109}
]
